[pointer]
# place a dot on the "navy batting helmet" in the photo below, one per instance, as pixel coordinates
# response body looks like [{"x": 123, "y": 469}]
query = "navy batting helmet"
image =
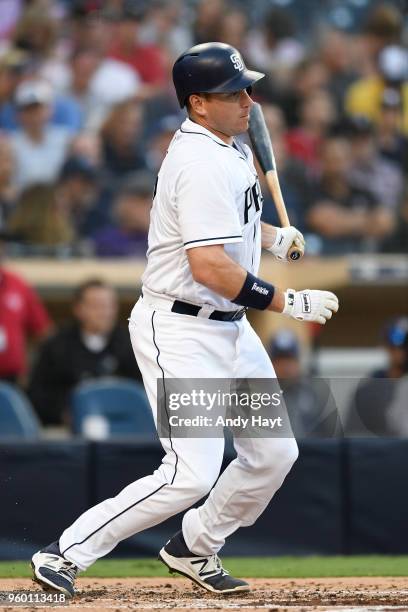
[{"x": 211, "y": 68}]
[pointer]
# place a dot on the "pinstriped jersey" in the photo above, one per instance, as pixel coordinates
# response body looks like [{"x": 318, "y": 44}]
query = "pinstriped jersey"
[{"x": 207, "y": 193}]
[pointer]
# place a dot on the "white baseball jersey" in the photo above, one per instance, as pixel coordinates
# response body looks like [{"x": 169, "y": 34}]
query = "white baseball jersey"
[{"x": 207, "y": 192}]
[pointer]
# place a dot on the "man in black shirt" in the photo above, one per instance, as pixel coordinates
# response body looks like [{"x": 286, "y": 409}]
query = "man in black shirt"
[
  {"x": 91, "y": 346},
  {"x": 346, "y": 218}
]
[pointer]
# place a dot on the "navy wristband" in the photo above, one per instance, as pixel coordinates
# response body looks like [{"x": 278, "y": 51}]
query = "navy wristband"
[{"x": 255, "y": 293}]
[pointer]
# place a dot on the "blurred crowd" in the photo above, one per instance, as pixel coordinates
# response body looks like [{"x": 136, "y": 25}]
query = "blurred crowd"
[{"x": 87, "y": 110}]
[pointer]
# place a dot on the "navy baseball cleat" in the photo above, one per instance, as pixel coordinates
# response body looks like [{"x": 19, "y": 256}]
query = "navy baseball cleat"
[
  {"x": 53, "y": 572},
  {"x": 205, "y": 571}
]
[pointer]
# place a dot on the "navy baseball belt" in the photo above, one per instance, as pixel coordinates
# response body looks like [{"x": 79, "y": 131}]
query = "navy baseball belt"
[
  {"x": 192, "y": 310},
  {"x": 217, "y": 315}
]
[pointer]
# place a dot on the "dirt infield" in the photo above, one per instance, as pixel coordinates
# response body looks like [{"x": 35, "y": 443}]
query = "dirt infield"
[{"x": 178, "y": 594}]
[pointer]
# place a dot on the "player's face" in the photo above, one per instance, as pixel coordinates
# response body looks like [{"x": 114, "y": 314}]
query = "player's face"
[{"x": 227, "y": 113}]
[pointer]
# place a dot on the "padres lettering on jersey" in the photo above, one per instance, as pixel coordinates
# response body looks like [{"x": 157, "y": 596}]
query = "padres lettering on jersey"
[{"x": 207, "y": 193}]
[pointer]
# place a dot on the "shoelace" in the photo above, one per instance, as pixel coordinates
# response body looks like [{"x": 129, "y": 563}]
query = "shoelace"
[
  {"x": 215, "y": 564},
  {"x": 62, "y": 566}
]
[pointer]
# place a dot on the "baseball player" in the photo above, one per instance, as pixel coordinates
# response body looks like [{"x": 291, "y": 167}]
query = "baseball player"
[{"x": 205, "y": 241}]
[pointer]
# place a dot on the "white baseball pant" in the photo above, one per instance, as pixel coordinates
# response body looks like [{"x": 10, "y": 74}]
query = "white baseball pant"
[{"x": 167, "y": 344}]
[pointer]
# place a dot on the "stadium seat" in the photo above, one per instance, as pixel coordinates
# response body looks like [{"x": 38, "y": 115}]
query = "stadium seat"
[
  {"x": 17, "y": 416},
  {"x": 111, "y": 407}
]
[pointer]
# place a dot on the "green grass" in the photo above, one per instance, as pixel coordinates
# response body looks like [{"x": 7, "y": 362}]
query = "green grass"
[{"x": 250, "y": 567}]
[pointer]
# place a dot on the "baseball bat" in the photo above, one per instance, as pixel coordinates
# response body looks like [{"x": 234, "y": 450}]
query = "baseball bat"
[{"x": 262, "y": 145}]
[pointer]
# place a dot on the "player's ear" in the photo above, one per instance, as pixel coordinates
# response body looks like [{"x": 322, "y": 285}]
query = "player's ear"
[{"x": 196, "y": 104}]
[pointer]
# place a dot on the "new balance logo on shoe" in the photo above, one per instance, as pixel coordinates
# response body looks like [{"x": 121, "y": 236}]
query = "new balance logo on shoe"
[
  {"x": 207, "y": 572},
  {"x": 204, "y": 563},
  {"x": 53, "y": 571}
]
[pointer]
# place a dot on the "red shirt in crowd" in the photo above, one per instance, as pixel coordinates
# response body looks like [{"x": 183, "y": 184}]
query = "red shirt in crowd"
[
  {"x": 304, "y": 146},
  {"x": 21, "y": 315},
  {"x": 146, "y": 60}
]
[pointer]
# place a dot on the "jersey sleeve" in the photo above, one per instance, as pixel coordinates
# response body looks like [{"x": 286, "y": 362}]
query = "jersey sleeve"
[{"x": 206, "y": 206}]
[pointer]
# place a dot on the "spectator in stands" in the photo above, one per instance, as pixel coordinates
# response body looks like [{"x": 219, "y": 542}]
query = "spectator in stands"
[
  {"x": 22, "y": 316},
  {"x": 160, "y": 140},
  {"x": 347, "y": 219},
  {"x": 383, "y": 27},
  {"x": 36, "y": 36},
  {"x": 93, "y": 345},
  {"x": 396, "y": 344},
  {"x": 369, "y": 410},
  {"x": 38, "y": 32},
  {"x": 208, "y": 15},
  {"x": 14, "y": 64},
  {"x": 82, "y": 67},
  {"x": 335, "y": 51},
  {"x": 87, "y": 145},
  {"x": 131, "y": 212},
  {"x": 98, "y": 83},
  {"x": 392, "y": 143},
  {"x": 39, "y": 147},
  {"x": 17, "y": 66},
  {"x": 308, "y": 76},
  {"x": 233, "y": 29},
  {"x": 365, "y": 96},
  {"x": 7, "y": 190},
  {"x": 39, "y": 222},
  {"x": 77, "y": 192},
  {"x": 284, "y": 351},
  {"x": 158, "y": 108},
  {"x": 397, "y": 242},
  {"x": 311, "y": 408},
  {"x": 368, "y": 170},
  {"x": 121, "y": 139},
  {"x": 317, "y": 113},
  {"x": 275, "y": 48},
  {"x": 168, "y": 27},
  {"x": 90, "y": 27},
  {"x": 92, "y": 189},
  {"x": 147, "y": 60}
]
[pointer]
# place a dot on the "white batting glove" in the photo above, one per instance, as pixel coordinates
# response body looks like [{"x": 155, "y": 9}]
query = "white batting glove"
[
  {"x": 285, "y": 237},
  {"x": 310, "y": 305}
]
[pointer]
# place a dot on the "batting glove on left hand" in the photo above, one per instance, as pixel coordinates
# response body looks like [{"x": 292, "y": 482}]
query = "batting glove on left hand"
[
  {"x": 285, "y": 237},
  {"x": 310, "y": 305}
]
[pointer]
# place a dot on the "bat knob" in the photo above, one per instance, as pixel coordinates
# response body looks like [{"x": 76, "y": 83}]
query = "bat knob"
[{"x": 294, "y": 254}]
